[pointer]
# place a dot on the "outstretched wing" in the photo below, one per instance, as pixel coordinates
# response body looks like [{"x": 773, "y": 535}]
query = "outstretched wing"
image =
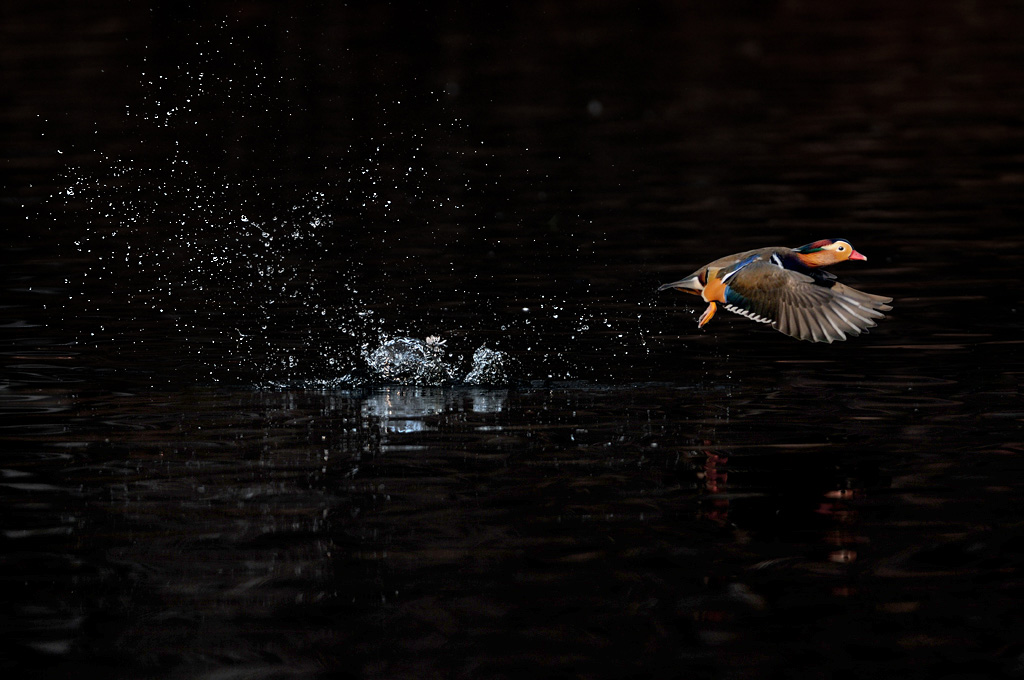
[{"x": 799, "y": 306}]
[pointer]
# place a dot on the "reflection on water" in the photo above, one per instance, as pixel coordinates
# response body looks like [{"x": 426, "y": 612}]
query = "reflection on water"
[
  {"x": 406, "y": 409},
  {"x": 312, "y": 529}
]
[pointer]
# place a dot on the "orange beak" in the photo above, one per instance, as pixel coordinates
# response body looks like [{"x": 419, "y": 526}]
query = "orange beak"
[{"x": 857, "y": 256}]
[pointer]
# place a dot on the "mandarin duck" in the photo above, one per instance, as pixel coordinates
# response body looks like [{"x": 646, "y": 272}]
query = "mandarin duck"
[{"x": 787, "y": 288}]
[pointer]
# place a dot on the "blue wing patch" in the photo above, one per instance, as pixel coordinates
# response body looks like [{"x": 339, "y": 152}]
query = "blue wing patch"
[{"x": 738, "y": 267}]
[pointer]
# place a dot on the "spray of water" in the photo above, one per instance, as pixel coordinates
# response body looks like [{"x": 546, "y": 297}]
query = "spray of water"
[{"x": 284, "y": 288}]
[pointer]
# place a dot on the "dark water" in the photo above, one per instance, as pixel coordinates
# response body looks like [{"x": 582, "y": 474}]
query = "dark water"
[{"x": 215, "y": 215}]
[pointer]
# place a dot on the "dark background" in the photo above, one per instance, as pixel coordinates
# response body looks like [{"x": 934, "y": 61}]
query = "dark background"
[
  {"x": 466, "y": 163},
  {"x": 213, "y": 214}
]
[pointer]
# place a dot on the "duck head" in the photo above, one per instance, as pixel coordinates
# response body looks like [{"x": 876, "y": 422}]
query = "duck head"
[{"x": 827, "y": 251}]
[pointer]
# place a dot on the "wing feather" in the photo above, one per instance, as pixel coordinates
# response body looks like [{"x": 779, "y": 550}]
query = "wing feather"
[{"x": 801, "y": 306}]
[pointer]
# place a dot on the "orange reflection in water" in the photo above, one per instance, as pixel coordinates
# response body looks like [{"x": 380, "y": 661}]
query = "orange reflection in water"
[{"x": 715, "y": 477}]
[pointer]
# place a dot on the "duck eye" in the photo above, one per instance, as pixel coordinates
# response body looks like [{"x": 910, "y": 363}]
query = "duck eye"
[{"x": 841, "y": 248}]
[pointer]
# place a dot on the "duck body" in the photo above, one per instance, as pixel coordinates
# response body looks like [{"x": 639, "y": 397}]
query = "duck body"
[{"x": 787, "y": 288}]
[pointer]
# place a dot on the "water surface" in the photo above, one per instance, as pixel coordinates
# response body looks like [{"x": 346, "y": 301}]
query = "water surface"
[{"x": 216, "y": 217}]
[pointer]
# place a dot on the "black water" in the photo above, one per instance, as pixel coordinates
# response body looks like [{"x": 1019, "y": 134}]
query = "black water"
[{"x": 214, "y": 215}]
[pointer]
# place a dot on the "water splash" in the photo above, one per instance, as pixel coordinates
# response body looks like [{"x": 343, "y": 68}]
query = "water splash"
[
  {"x": 274, "y": 269},
  {"x": 490, "y": 367},
  {"x": 410, "y": 361}
]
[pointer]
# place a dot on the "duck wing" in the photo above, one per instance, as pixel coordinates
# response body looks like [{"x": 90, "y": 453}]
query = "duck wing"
[{"x": 800, "y": 306}]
